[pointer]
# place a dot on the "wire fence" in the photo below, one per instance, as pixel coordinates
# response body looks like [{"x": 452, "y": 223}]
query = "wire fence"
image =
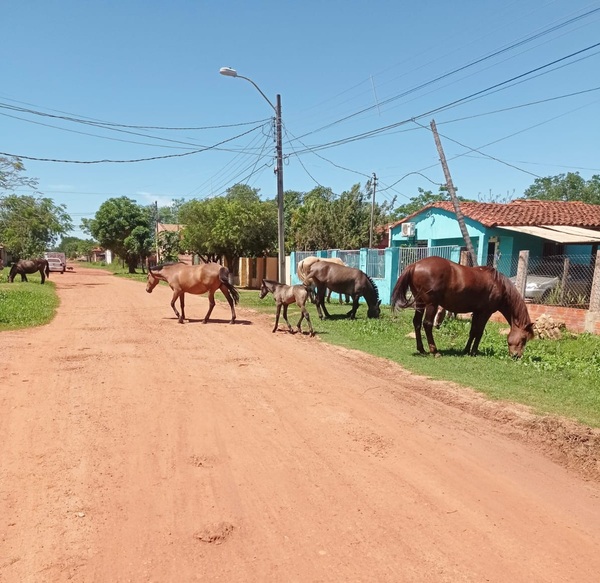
[{"x": 559, "y": 280}]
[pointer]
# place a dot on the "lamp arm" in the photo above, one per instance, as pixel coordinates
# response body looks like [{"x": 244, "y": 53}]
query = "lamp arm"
[{"x": 259, "y": 90}]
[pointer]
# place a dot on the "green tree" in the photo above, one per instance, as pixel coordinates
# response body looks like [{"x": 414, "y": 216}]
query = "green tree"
[
  {"x": 11, "y": 175},
  {"x": 30, "y": 225},
  {"x": 74, "y": 247},
  {"x": 139, "y": 243},
  {"x": 565, "y": 187},
  {"x": 114, "y": 222},
  {"x": 231, "y": 226}
]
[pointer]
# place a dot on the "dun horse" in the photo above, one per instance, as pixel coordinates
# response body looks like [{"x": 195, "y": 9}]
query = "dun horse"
[
  {"x": 194, "y": 279},
  {"x": 284, "y": 296},
  {"x": 343, "y": 280},
  {"x": 435, "y": 281},
  {"x": 303, "y": 266},
  {"x": 25, "y": 266}
]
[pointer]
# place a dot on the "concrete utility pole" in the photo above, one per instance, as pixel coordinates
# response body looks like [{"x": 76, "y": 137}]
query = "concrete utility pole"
[
  {"x": 156, "y": 226},
  {"x": 372, "y": 211},
  {"x": 459, "y": 216}
]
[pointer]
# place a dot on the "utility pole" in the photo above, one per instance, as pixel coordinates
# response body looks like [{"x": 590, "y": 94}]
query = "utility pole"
[
  {"x": 372, "y": 211},
  {"x": 280, "y": 213},
  {"x": 156, "y": 228},
  {"x": 459, "y": 216}
]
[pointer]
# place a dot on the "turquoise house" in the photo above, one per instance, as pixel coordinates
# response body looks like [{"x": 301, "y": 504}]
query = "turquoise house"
[{"x": 498, "y": 232}]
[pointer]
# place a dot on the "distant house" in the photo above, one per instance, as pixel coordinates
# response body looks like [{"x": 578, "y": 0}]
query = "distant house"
[{"x": 544, "y": 228}]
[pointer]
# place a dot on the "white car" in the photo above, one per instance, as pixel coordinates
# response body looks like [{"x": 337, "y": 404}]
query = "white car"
[
  {"x": 56, "y": 264},
  {"x": 538, "y": 287}
]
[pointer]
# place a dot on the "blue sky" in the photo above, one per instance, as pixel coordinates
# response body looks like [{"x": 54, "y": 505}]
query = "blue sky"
[{"x": 513, "y": 88}]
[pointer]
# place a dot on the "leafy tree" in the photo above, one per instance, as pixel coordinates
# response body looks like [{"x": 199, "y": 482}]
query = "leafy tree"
[
  {"x": 115, "y": 221},
  {"x": 232, "y": 226},
  {"x": 11, "y": 175},
  {"x": 312, "y": 224},
  {"x": 74, "y": 247},
  {"x": 170, "y": 245},
  {"x": 29, "y": 225},
  {"x": 139, "y": 243},
  {"x": 565, "y": 187},
  {"x": 169, "y": 215}
]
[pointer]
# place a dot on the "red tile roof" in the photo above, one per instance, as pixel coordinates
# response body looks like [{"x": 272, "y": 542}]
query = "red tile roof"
[{"x": 524, "y": 212}]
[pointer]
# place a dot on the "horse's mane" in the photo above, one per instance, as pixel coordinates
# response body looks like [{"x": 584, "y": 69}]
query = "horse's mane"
[
  {"x": 374, "y": 287},
  {"x": 512, "y": 297}
]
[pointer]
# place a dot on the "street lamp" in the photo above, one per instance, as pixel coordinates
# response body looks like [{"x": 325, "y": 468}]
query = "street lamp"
[{"x": 229, "y": 72}]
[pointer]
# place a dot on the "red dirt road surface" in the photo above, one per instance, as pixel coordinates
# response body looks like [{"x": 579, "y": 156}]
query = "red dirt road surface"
[{"x": 136, "y": 449}]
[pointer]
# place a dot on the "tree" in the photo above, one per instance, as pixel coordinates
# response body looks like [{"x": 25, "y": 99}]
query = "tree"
[
  {"x": 139, "y": 243},
  {"x": 565, "y": 187},
  {"x": 30, "y": 225},
  {"x": 115, "y": 221},
  {"x": 11, "y": 175},
  {"x": 231, "y": 226},
  {"x": 74, "y": 247}
]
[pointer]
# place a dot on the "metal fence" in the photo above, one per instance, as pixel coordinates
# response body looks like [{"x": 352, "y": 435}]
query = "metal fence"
[
  {"x": 409, "y": 255},
  {"x": 559, "y": 280}
]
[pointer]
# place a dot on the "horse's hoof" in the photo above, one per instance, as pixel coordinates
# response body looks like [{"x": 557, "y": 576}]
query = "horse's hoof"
[{"x": 437, "y": 355}]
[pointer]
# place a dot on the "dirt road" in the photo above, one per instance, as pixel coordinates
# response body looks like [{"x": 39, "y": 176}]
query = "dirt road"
[{"x": 136, "y": 449}]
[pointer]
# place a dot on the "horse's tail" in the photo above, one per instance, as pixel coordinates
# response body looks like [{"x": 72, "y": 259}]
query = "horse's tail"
[
  {"x": 301, "y": 271},
  {"x": 224, "y": 277},
  {"x": 399, "y": 299}
]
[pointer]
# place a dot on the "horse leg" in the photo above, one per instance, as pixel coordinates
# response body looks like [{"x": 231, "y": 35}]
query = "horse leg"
[
  {"x": 211, "y": 305},
  {"x": 177, "y": 314},
  {"x": 417, "y": 322},
  {"x": 478, "y": 323},
  {"x": 321, "y": 309},
  {"x": 352, "y": 313},
  {"x": 306, "y": 315},
  {"x": 229, "y": 299},
  {"x": 24, "y": 277},
  {"x": 279, "y": 304},
  {"x": 430, "y": 312},
  {"x": 328, "y": 296},
  {"x": 285, "y": 309},
  {"x": 43, "y": 275}
]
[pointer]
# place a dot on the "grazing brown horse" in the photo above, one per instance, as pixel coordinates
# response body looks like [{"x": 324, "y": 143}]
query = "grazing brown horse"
[
  {"x": 24, "y": 266},
  {"x": 194, "y": 279},
  {"x": 343, "y": 280},
  {"x": 284, "y": 296},
  {"x": 435, "y": 281},
  {"x": 303, "y": 266}
]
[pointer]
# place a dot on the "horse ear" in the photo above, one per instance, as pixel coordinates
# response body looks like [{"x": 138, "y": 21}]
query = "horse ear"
[{"x": 379, "y": 303}]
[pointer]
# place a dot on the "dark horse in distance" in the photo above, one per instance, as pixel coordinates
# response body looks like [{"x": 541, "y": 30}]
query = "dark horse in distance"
[
  {"x": 25, "y": 266},
  {"x": 435, "y": 281},
  {"x": 194, "y": 279},
  {"x": 343, "y": 280}
]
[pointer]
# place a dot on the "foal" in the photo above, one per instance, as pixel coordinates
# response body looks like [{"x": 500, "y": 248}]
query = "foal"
[{"x": 284, "y": 296}]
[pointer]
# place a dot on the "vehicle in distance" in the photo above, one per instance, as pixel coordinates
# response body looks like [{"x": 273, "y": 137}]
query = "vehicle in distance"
[{"x": 55, "y": 264}]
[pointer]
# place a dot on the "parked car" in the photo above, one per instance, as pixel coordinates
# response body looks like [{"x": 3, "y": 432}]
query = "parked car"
[
  {"x": 576, "y": 289},
  {"x": 55, "y": 264},
  {"x": 538, "y": 287}
]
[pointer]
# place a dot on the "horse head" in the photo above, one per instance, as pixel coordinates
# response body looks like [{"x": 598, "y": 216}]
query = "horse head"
[
  {"x": 152, "y": 281},
  {"x": 264, "y": 290},
  {"x": 517, "y": 338},
  {"x": 374, "y": 311}
]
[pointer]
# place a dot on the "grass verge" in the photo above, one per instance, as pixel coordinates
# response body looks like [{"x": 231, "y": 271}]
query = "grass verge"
[{"x": 27, "y": 304}]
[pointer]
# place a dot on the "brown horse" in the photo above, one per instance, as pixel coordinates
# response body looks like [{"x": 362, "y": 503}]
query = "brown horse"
[
  {"x": 284, "y": 296},
  {"x": 24, "y": 266},
  {"x": 435, "y": 281},
  {"x": 343, "y": 280},
  {"x": 194, "y": 279},
  {"x": 302, "y": 270}
]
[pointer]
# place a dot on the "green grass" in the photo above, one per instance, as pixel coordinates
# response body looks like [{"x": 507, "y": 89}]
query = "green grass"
[
  {"x": 559, "y": 377},
  {"x": 26, "y": 304}
]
